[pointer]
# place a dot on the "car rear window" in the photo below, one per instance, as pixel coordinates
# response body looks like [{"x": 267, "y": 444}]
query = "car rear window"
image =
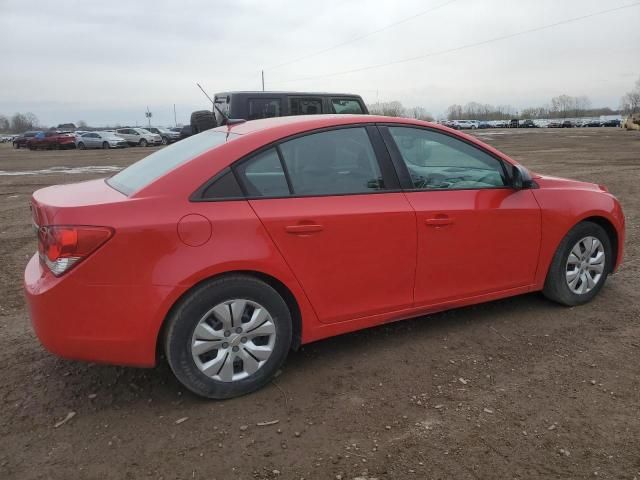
[{"x": 150, "y": 168}]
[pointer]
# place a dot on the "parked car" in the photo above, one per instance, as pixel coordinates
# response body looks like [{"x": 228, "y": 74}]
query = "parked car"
[
  {"x": 500, "y": 124},
  {"x": 484, "y": 124},
  {"x": 592, "y": 123},
  {"x": 467, "y": 124},
  {"x": 21, "y": 140},
  {"x": 514, "y": 123},
  {"x": 51, "y": 140},
  {"x": 528, "y": 124},
  {"x": 555, "y": 124},
  {"x": 100, "y": 140},
  {"x": 611, "y": 123},
  {"x": 567, "y": 124},
  {"x": 167, "y": 135},
  {"x": 262, "y": 236},
  {"x": 255, "y": 105},
  {"x": 139, "y": 137},
  {"x": 185, "y": 132}
]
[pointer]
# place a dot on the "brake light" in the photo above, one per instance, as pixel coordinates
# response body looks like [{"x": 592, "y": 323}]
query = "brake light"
[{"x": 62, "y": 247}]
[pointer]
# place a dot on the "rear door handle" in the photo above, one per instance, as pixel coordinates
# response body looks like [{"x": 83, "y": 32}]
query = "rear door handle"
[
  {"x": 439, "y": 221},
  {"x": 304, "y": 228}
]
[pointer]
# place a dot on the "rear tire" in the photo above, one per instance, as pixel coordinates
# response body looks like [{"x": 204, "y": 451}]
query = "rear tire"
[
  {"x": 219, "y": 309},
  {"x": 575, "y": 268},
  {"x": 105, "y": 145},
  {"x": 82, "y": 146},
  {"x": 202, "y": 120}
]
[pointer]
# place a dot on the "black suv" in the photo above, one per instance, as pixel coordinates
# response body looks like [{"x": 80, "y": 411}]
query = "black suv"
[{"x": 255, "y": 105}]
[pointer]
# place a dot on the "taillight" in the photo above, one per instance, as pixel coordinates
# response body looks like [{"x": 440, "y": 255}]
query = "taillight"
[{"x": 62, "y": 247}]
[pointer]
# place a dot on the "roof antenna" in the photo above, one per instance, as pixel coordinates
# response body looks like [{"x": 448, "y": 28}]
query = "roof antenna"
[{"x": 227, "y": 120}]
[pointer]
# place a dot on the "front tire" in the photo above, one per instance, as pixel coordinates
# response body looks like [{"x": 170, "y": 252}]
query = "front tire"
[
  {"x": 580, "y": 265},
  {"x": 165, "y": 141},
  {"x": 105, "y": 145},
  {"x": 228, "y": 336},
  {"x": 143, "y": 143}
]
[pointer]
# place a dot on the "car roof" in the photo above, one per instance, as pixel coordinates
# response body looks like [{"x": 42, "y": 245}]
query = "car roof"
[{"x": 285, "y": 92}]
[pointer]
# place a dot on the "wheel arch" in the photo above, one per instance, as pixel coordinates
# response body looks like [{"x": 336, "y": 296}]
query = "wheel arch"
[
  {"x": 273, "y": 282},
  {"x": 611, "y": 231}
]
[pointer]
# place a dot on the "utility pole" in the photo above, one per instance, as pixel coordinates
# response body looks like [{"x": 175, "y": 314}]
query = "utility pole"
[
  {"x": 175, "y": 120},
  {"x": 263, "y": 80},
  {"x": 148, "y": 115}
]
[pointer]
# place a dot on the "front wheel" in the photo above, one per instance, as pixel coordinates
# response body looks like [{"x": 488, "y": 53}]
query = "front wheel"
[
  {"x": 165, "y": 141},
  {"x": 143, "y": 143},
  {"x": 105, "y": 145},
  {"x": 580, "y": 266},
  {"x": 228, "y": 337},
  {"x": 82, "y": 146}
]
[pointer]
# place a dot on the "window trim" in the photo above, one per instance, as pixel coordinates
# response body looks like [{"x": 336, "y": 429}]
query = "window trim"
[
  {"x": 387, "y": 170},
  {"x": 403, "y": 171}
]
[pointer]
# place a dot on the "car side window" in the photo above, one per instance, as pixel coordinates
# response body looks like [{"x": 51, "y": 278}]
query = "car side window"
[
  {"x": 305, "y": 106},
  {"x": 436, "y": 161},
  {"x": 263, "y": 108},
  {"x": 263, "y": 175},
  {"x": 333, "y": 162},
  {"x": 346, "y": 105}
]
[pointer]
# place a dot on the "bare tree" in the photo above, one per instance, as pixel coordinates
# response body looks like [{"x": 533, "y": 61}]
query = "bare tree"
[
  {"x": 5, "y": 124},
  {"x": 81, "y": 124},
  {"x": 21, "y": 122},
  {"x": 630, "y": 102},
  {"x": 419, "y": 113},
  {"x": 390, "y": 109}
]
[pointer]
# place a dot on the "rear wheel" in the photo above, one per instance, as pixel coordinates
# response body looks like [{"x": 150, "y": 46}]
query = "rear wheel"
[
  {"x": 228, "y": 337},
  {"x": 105, "y": 145},
  {"x": 143, "y": 143},
  {"x": 202, "y": 120},
  {"x": 82, "y": 146},
  {"x": 580, "y": 266}
]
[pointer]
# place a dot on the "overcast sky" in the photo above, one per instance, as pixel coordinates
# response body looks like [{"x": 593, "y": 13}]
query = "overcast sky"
[{"x": 105, "y": 62}]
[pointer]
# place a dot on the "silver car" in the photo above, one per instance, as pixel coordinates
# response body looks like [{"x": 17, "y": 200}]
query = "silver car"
[{"x": 99, "y": 140}]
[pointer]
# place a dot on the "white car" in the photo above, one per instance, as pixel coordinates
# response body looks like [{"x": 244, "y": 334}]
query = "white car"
[
  {"x": 467, "y": 124},
  {"x": 99, "y": 140},
  {"x": 139, "y": 136}
]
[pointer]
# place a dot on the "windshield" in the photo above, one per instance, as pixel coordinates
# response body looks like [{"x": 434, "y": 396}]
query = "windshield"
[{"x": 150, "y": 168}]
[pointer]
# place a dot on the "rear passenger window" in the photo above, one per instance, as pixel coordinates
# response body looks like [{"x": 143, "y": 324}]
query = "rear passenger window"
[
  {"x": 305, "y": 106},
  {"x": 264, "y": 108},
  {"x": 332, "y": 163},
  {"x": 263, "y": 175},
  {"x": 346, "y": 105}
]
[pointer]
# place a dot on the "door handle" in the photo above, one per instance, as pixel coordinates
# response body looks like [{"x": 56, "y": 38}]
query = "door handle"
[
  {"x": 439, "y": 221},
  {"x": 304, "y": 228}
]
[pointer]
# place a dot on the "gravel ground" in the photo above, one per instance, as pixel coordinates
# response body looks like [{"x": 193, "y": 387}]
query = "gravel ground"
[{"x": 518, "y": 388}]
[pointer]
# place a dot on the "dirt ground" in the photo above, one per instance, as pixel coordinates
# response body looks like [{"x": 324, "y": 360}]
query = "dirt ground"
[{"x": 519, "y": 388}]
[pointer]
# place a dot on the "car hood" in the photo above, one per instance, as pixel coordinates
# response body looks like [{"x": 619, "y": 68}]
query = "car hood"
[{"x": 549, "y": 182}]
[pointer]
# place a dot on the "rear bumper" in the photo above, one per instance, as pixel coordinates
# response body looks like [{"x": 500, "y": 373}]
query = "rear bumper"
[{"x": 98, "y": 323}]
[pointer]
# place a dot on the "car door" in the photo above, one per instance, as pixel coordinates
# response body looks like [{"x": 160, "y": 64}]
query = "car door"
[
  {"x": 476, "y": 234},
  {"x": 92, "y": 140},
  {"x": 332, "y": 206}
]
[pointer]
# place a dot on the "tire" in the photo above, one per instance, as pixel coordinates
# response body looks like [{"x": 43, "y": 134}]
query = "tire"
[
  {"x": 143, "y": 143},
  {"x": 105, "y": 145},
  {"x": 16, "y": 146},
  {"x": 165, "y": 141},
  {"x": 556, "y": 285},
  {"x": 196, "y": 306},
  {"x": 82, "y": 146},
  {"x": 202, "y": 120}
]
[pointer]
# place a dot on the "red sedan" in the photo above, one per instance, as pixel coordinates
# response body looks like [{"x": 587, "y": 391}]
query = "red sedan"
[{"x": 227, "y": 249}]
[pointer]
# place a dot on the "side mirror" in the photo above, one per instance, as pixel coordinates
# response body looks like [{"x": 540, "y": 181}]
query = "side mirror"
[{"x": 521, "y": 178}]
